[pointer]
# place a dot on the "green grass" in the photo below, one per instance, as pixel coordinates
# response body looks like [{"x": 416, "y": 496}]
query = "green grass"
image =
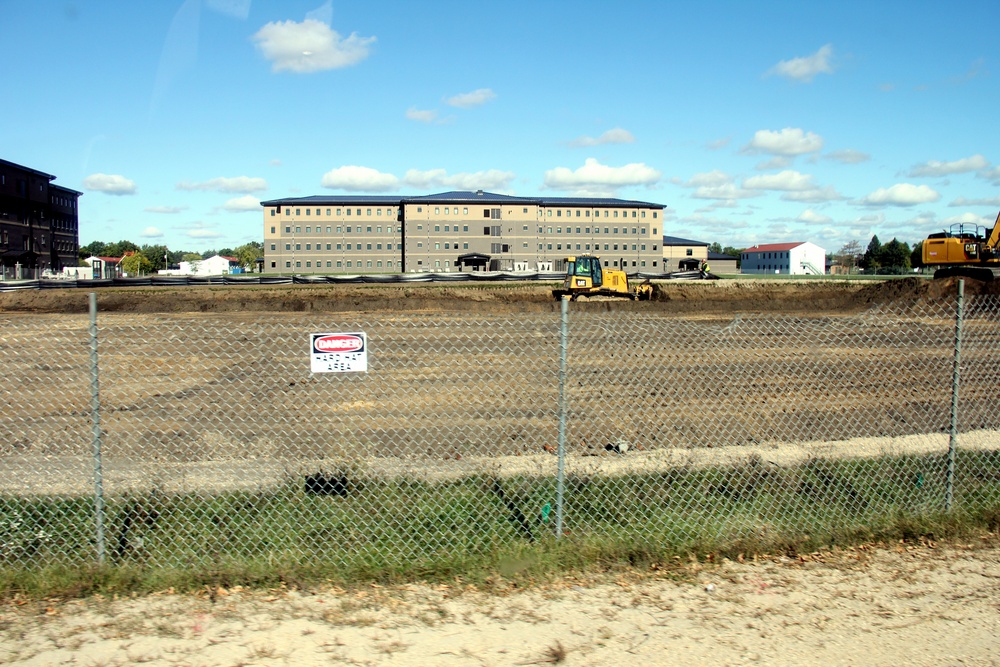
[{"x": 401, "y": 530}]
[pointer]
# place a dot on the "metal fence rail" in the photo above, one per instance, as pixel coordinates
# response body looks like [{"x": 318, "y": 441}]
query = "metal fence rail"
[{"x": 209, "y": 440}]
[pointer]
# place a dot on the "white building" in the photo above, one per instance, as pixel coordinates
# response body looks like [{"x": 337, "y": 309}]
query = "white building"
[
  {"x": 784, "y": 258},
  {"x": 216, "y": 265}
]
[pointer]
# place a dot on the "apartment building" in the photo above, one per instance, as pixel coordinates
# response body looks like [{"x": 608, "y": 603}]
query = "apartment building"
[
  {"x": 39, "y": 222},
  {"x": 456, "y": 231}
]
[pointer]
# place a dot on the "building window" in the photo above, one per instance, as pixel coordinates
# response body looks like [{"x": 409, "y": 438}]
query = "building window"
[{"x": 689, "y": 252}]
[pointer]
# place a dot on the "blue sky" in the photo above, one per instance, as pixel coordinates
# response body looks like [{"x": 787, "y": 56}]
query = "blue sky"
[{"x": 753, "y": 122}]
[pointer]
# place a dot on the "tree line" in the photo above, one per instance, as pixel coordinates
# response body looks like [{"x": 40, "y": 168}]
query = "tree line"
[{"x": 151, "y": 258}]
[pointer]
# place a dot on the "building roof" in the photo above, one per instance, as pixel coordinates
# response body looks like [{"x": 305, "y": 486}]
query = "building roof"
[
  {"x": 774, "y": 247},
  {"x": 316, "y": 200},
  {"x": 28, "y": 169},
  {"x": 63, "y": 188},
  {"x": 676, "y": 240},
  {"x": 720, "y": 256},
  {"x": 462, "y": 197}
]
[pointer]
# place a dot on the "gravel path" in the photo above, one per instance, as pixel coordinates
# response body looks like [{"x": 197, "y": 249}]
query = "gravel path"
[{"x": 896, "y": 605}]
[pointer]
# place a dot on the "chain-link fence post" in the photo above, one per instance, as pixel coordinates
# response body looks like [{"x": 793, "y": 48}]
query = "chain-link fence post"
[
  {"x": 561, "y": 474},
  {"x": 955, "y": 377},
  {"x": 95, "y": 419}
]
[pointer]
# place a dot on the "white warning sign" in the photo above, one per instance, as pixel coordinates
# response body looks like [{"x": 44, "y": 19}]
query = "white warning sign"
[{"x": 339, "y": 352}]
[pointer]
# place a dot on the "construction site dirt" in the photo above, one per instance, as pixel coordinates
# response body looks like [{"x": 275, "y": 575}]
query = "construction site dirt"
[{"x": 745, "y": 294}]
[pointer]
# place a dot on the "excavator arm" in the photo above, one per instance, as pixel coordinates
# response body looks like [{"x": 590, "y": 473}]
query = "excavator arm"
[{"x": 993, "y": 241}]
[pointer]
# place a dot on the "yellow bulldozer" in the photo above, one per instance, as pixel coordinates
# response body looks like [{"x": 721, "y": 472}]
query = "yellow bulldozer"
[
  {"x": 586, "y": 277},
  {"x": 965, "y": 250}
]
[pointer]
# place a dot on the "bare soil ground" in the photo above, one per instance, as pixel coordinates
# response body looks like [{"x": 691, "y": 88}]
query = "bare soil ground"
[
  {"x": 898, "y": 605},
  {"x": 720, "y": 296},
  {"x": 892, "y": 605}
]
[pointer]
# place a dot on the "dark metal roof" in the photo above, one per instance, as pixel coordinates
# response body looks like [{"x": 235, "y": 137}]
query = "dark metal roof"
[
  {"x": 466, "y": 196},
  {"x": 28, "y": 169},
  {"x": 63, "y": 188},
  {"x": 676, "y": 240},
  {"x": 460, "y": 197},
  {"x": 598, "y": 202},
  {"x": 322, "y": 200}
]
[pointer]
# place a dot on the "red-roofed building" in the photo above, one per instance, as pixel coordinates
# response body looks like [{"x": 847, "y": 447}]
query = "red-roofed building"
[
  {"x": 105, "y": 267},
  {"x": 802, "y": 258}
]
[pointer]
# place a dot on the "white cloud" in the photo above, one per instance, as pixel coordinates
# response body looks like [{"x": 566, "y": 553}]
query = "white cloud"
[
  {"x": 428, "y": 116},
  {"x": 968, "y": 218},
  {"x": 310, "y": 46},
  {"x": 811, "y": 217},
  {"x": 358, "y": 179},
  {"x": 814, "y": 195},
  {"x": 718, "y": 144},
  {"x": 202, "y": 233},
  {"x": 719, "y": 186},
  {"x": 789, "y": 142},
  {"x": 474, "y": 99},
  {"x": 786, "y": 180},
  {"x": 963, "y": 201},
  {"x": 238, "y": 9},
  {"x": 596, "y": 178},
  {"x": 200, "y": 230},
  {"x": 111, "y": 184},
  {"x": 709, "y": 179},
  {"x": 614, "y": 136},
  {"x": 934, "y": 168},
  {"x": 243, "y": 204},
  {"x": 804, "y": 69},
  {"x": 991, "y": 175},
  {"x": 727, "y": 191},
  {"x": 776, "y": 162},
  {"x": 901, "y": 194},
  {"x": 165, "y": 209},
  {"x": 151, "y": 233},
  {"x": 244, "y": 184},
  {"x": 848, "y": 156},
  {"x": 492, "y": 179}
]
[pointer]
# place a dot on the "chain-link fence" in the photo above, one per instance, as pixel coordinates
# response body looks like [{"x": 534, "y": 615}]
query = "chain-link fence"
[{"x": 192, "y": 439}]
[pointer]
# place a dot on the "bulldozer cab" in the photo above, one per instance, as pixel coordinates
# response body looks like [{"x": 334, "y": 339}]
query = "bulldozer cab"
[{"x": 586, "y": 266}]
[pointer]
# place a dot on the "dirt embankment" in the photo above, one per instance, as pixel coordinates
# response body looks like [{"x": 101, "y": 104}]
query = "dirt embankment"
[{"x": 723, "y": 296}]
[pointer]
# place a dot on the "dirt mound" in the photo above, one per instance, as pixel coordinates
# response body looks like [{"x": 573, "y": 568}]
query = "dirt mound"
[{"x": 722, "y": 296}]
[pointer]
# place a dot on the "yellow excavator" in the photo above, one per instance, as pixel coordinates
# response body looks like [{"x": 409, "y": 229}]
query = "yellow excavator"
[
  {"x": 965, "y": 250},
  {"x": 586, "y": 277}
]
